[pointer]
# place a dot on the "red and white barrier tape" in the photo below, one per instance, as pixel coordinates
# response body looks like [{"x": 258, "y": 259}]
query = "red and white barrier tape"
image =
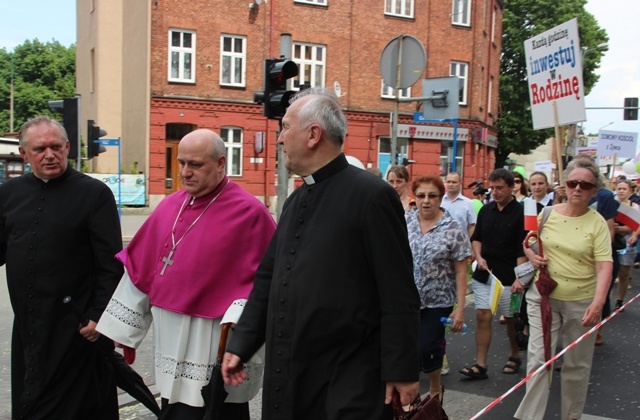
[{"x": 554, "y": 358}]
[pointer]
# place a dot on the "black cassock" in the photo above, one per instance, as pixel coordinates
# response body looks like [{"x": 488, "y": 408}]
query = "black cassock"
[
  {"x": 335, "y": 300},
  {"x": 59, "y": 238}
]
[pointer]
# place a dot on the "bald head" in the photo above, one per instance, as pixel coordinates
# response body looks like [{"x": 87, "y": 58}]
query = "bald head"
[
  {"x": 206, "y": 140},
  {"x": 202, "y": 160}
]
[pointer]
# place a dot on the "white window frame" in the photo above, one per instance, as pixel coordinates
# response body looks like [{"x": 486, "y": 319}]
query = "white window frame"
[
  {"x": 399, "y": 8},
  {"x": 387, "y": 92},
  {"x": 314, "y": 2},
  {"x": 233, "y": 58},
  {"x": 182, "y": 53},
  {"x": 310, "y": 67},
  {"x": 461, "y": 69},
  {"x": 461, "y": 12},
  {"x": 228, "y": 136}
]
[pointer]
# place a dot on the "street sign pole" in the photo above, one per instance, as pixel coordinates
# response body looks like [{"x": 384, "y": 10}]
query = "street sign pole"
[
  {"x": 115, "y": 142},
  {"x": 402, "y": 62}
]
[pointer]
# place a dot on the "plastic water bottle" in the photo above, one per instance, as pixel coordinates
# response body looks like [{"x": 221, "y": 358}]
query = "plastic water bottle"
[{"x": 448, "y": 322}]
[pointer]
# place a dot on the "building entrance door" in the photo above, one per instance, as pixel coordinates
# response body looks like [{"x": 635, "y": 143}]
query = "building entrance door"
[{"x": 172, "y": 182}]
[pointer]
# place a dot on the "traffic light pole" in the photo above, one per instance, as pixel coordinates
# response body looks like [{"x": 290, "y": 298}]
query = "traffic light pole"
[{"x": 283, "y": 175}]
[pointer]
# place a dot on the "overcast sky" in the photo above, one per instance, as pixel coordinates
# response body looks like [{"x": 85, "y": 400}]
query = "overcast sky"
[{"x": 619, "y": 71}]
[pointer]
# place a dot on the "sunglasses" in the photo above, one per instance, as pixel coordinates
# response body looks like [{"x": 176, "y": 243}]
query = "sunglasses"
[
  {"x": 517, "y": 181},
  {"x": 584, "y": 185},
  {"x": 430, "y": 196}
]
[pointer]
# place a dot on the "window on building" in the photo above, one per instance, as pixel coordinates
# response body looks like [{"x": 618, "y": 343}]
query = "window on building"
[
  {"x": 317, "y": 2},
  {"x": 232, "y": 137},
  {"x": 461, "y": 70},
  {"x": 384, "y": 152},
  {"x": 182, "y": 56},
  {"x": 390, "y": 93},
  {"x": 446, "y": 157},
  {"x": 233, "y": 59},
  {"x": 461, "y": 12},
  {"x": 402, "y": 8},
  {"x": 489, "y": 100},
  {"x": 493, "y": 24},
  {"x": 311, "y": 64}
]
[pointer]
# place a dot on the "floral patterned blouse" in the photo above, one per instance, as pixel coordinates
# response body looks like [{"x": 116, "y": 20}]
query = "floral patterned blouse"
[{"x": 434, "y": 256}]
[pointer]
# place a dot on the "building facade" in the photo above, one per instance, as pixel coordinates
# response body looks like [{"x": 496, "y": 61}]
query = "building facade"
[{"x": 150, "y": 72}]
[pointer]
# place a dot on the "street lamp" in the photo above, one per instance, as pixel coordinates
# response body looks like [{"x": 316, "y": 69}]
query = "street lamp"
[
  {"x": 606, "y": 125},
  {"x": 601, "y": 46}
]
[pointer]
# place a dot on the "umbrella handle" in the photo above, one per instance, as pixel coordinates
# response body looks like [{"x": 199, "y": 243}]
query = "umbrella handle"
[
  {"x": 530, "y": 235},
  {"x": 222, "y": 346},
  {"x": 71, "y": 304}
]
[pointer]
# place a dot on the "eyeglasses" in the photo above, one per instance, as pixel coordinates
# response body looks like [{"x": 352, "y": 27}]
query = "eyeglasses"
[
  {"x": 517, "y": 181},
  {"x": 430, "y": 196},
  {"x": 584, "y": 185}
]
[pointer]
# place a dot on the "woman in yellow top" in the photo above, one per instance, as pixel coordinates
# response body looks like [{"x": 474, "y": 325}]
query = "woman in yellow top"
[{"x": 577, "y": 252}]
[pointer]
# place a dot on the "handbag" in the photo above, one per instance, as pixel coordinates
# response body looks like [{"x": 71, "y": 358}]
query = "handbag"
[
  {"x": 619, "y": 242},
  {"x": 426, "y": 409}
]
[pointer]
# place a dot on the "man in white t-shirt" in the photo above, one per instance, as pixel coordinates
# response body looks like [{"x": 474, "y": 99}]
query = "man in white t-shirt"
[{"x": 459, "y": 206}]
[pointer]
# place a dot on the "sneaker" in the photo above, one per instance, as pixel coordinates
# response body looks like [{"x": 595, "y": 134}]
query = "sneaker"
[{"x": 445, "y": 366}]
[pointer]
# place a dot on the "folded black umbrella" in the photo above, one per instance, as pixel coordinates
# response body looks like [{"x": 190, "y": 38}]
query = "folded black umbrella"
[
  {"x": 214, "y": 393},
  {"x": 126, "y": 378}
]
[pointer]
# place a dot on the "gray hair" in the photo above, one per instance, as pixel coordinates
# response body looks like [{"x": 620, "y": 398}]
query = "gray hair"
[
  {"x": 323, "y": 109},
  {"x": 40, "y": 119},
  {"x": 585, "y": 162}
]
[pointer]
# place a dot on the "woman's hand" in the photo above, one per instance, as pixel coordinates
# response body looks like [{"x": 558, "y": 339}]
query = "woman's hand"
[
  {"x": 592, "y": 315},
  {"x": 536, "y": 260},
  {"x": 458, "y": 319}
]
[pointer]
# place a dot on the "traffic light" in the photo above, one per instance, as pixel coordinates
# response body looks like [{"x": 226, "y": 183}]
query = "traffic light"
[
  {"x": 94, "y": 133},
  {"x": 68, "y": 108},
  {"x": 275, "y": 96},
  {"x": 631, "y": 114}
]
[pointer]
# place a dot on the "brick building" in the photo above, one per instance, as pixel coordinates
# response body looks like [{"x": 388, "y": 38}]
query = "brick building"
[{"x": 151, "y": 71}]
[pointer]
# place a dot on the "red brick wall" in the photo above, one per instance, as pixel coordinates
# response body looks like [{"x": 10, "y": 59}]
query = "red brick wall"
[{"x": 355, "y": 34}]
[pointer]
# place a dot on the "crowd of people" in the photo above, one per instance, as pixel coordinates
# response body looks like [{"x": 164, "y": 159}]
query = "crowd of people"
[{"x": 335, "y": 310}]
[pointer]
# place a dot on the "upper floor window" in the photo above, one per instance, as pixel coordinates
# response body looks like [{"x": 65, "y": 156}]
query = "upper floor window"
[
  {"x": 318, "y": 2},
  {"x": 461, "y": 70},
  {"x": 402, "y": 8},
  {"x": 461, "y": 13},
  {"x": 182, "y": 56},
  {"x": 233, "y": 59},
  {"x": 311, "y": 62},
  {"x": 390, "y": 93},
  {"x": 232, "y": 137}
]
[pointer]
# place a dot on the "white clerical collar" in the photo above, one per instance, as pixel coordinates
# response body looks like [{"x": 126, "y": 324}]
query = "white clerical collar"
[{"x": 309, "y": 180}]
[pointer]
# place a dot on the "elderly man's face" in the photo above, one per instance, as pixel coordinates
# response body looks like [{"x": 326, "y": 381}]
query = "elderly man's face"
[
  {"x": 200, "y": 172},
  {"x": 295, "y": 139},
  {"x": 46, "y": 150}
]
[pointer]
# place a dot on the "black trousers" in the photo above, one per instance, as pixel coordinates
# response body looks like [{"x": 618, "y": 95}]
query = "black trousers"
[{"x": 180, "y": 411}]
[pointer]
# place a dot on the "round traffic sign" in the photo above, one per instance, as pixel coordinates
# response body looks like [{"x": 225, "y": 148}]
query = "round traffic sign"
[{"x": 402, "y": 62}]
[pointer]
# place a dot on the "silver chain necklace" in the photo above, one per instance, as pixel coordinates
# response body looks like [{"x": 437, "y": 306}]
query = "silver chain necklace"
[{"x": 167, "y": 260}]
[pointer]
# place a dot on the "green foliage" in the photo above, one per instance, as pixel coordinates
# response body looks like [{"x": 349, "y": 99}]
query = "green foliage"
[
  {"x": 524, "y": 19},
  {"x": 41, "y": 72}
]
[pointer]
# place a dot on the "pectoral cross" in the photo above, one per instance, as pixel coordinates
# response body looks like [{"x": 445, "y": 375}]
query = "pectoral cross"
[{"x": 167, "y": 261}]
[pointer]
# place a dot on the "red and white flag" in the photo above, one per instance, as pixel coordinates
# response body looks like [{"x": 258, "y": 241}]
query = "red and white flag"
[
  {"x": 629, "y": 217},
  {"x": 530, "y": 215}
]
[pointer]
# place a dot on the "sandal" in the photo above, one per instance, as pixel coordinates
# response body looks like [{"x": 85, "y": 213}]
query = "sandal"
[
  {"x": 475, "y": 372},
  {"x": 513, "y": 366}
]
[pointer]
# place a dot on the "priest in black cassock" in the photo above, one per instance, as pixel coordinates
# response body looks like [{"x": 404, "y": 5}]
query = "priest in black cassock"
[
  {"x": 334, "y": 297},
  {"x": 59, "y": 233}
]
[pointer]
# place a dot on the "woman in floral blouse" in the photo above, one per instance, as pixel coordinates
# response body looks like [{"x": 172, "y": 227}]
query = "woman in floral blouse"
[{"x": 440, "y": 249}]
